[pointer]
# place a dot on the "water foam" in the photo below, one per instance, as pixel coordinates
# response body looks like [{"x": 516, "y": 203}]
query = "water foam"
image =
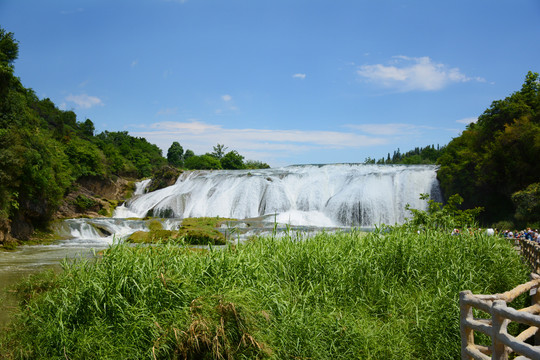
[{"x": 311, "y": 195}]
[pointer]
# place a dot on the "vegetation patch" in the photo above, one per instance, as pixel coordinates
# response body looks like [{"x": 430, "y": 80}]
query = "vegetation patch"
[
  {"x": 165, "y": 176},
  {"x": 194, "y": 231},
  {"x": 154, "y": 236},
  {"x": 389, "y": 294},
  {"x": 203, "y": 230}
]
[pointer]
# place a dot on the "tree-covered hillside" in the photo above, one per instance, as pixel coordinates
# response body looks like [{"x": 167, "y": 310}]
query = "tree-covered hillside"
[
  {"x": 45, "y": 150},
  {"x": 495, "y": 162}
]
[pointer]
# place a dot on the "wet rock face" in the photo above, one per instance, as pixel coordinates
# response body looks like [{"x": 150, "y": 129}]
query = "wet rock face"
[
  {"x": 105, "y": 188},
  {"x": 22, "y": 227},
  {"x": 166, "y": 176},
  {"x": 5, "y": 230}
]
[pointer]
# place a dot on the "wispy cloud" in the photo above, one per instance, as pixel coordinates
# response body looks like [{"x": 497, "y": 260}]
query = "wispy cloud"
[
  {"x": 226, "y": 97},
  {"x": 84, "y": 101},
  {"x": 397, "y": 130},
  {"x": 299, "y": 76},
  {"x": 390, "y": 129},
  {"x": 200, "y": 137},
  {"x": 411, "y": 73},
  {"x": 467, "y": 121},
  {"x": 134, "y": 63}
]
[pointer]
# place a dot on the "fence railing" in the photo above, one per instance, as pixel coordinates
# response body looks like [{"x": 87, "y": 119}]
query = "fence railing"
[
  {"x": 502, "y": 343},
  {"x": 530, "y": 250}
]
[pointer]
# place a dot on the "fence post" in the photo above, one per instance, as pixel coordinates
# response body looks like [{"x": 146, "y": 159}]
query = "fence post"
[
  {"x": 535, "y": 300},
  {"x": 499, "y": 324},
  {"x": 467, "y": 334}
]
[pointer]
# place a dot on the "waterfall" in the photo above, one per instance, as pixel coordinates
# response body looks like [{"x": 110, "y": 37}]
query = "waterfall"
[
  {"x": 312, "y": 195},
  {"x": 100, "y": 231}
]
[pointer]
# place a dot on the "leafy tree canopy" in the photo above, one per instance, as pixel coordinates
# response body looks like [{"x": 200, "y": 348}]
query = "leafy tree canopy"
[
  {"x": 497, "y": 156},
  {"x": 232, "y": 161},
  {"x": 175, "y": 154}
]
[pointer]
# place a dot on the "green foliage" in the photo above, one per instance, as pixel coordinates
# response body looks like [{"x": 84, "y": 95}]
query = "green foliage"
[
  {"x": 382, "y": 295},
  {"x": 131, "y": 156},
  {"x": 85, "y": 203},
  {"x": 202, "y": 231},
  {"x": 87, "y": 128},
  {"x": 9, "y": 47},
  {"x": 43, "y": 149},
  {"x": 441, "y": 217},
  {"x": 527, "y": 203},
  {"x": 175, "y": 154},
  {"x": 163, "y": 177},
  {"x": 498, "y": 155},
  {"x": 232, "y": 161},
  {"x": 202, "y": 162},
  {"x": 85, "y": 158},
  {"x": 189, "y": 153},
  {"x": 255, "y": 164},
  {"x": 425, "y": 155},
  {"x": 219, "y": 151}
]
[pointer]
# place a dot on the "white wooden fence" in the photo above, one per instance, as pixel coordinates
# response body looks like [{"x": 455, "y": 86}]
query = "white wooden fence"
[{"x": 503, "y": 345}]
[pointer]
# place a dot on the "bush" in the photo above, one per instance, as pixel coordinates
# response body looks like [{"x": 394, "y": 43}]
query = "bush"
[
  {"x": 202, "y": 162},
  {"x": 84, "y": 203}
]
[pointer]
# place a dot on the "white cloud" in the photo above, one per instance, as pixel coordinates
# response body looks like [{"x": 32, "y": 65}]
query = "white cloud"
[
  {"x": 84, "y": 101},
  {"x": 408, "y": 74},
  {"x": 134, "y": 63},
  {"x": 226, "y": 97},
  {"x": 398, "y": 130},
  {"x": 467, "y": 121},
  {"x": 386, "y": 129},
  {"x": 299, "y": 76},
  {"x": 281, "y": 143}
]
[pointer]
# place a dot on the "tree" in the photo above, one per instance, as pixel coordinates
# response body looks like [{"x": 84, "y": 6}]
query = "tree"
[
  {"x": 9, "y": 47},
  {"x": 256, "y": 164},
  {"x": 9, "y": 50},
  {"x": 498, "y": 155},
  {"x": 189, "y": 153},
  {"x": 202, "y": 162},
  {"x": 175, "y": 154},
  {"x": 87, "y": 128},
  {"x": 219, "y": 151},
  {"x": 232, "y": 161},
  {"x": 527, "y": 203}
]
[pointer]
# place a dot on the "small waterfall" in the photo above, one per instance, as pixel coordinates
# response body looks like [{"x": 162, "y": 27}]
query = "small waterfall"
[
  {"x": 100, "y": 231},
  {"x": 311, "y": 195}
]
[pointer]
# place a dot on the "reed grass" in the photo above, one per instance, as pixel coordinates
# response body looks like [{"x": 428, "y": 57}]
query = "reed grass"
[{"x": 348, "y": 295}]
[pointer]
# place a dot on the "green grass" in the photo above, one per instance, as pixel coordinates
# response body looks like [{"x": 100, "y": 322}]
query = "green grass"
[{"x": 334, "y": 296}]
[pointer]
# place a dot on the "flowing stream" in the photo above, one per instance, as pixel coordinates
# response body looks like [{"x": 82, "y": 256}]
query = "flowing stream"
[{"x": 307, "y": 198}]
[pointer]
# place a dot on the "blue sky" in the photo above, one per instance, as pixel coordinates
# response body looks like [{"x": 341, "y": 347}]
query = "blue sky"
[{"x": 283, "y": 81}]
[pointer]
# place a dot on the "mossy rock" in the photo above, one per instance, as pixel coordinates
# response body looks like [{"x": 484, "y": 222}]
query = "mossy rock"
[
  {"x": 194, "y": 231},
  {"x": 155, "y": 225},
  {"x": 203, "y": 230},
  {"x": 153, "y": 236}
]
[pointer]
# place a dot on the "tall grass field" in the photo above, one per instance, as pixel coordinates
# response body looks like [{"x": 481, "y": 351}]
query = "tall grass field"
[{"x": 349, "y": 295}]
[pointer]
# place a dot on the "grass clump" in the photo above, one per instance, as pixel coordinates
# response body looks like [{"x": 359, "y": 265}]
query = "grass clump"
[{"x": 383, "y": 295}]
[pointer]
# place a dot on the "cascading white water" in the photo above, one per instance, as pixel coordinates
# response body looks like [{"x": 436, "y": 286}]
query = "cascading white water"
[
  {"x": 325, "y": 195},
  {"x": 103, "y": 230}
]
